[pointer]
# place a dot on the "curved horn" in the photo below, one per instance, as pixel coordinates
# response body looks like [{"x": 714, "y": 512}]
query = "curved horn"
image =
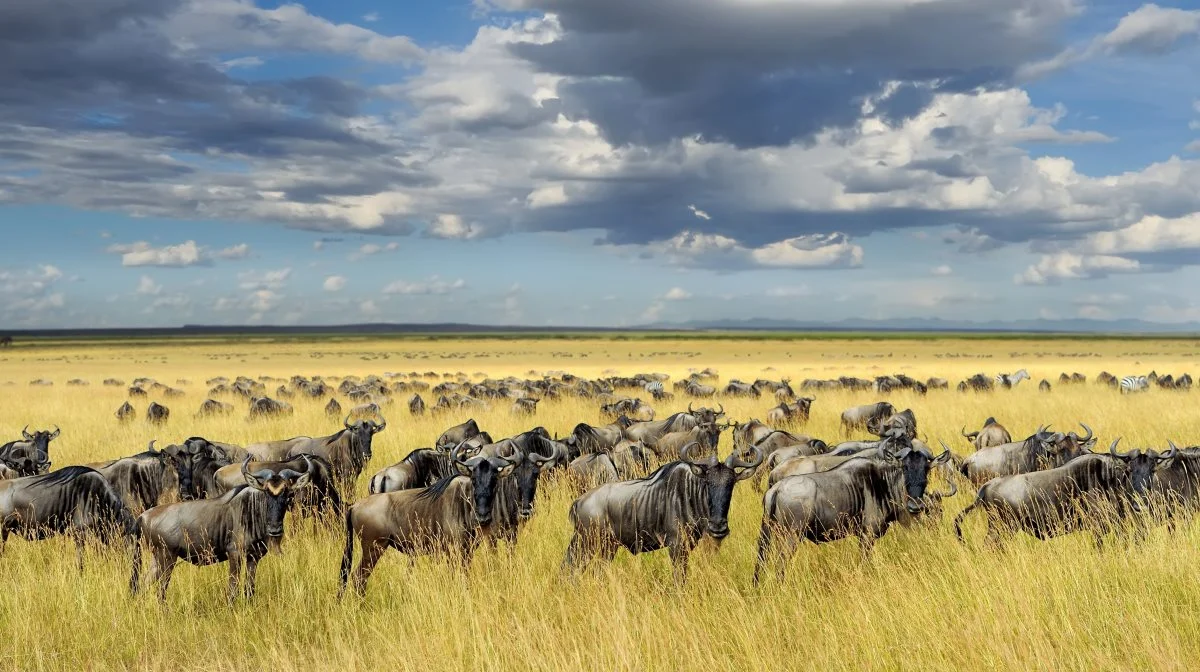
[
  {"x": 55, "y": 433},
  {"x": 1089, "y": 436},
  {"x": 1112, "y": 450},
  {"x": 685, "y": 453},
  {"x": 379, "y": 428},
  {"x": 246, "y": 467},
  {"x": 25, "y": 433},
  {"x": 720, "y": 409},
  {"x": 1170, "y": 453},
  {"x": 455, "y": 451},
  {"x": 150, "y": 448},
  {"x": 690, "y": 408},
  {"x": 735, "y": 462},
  {"x": 346, "y": 422},
  {"x": 292, "y": 474}
]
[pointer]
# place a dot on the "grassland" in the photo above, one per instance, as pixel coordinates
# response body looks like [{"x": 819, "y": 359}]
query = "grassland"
[{"x": 923, "y": 602}]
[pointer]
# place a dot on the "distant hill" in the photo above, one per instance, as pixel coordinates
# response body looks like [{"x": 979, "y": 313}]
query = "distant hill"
[{"x": 1125, "y": 326}]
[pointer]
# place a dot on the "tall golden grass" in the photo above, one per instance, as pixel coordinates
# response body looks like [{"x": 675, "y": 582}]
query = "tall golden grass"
[{"x": 924, "y": 601}]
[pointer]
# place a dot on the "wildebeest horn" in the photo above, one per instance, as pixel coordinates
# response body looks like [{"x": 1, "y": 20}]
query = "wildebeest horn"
[
  {"x": 1089, "y": 436},
  {"x": 685, "y": 454},
  {"x": 380, "y": 427},
  {"x": 690, "y": 407},
  {"x": 25, "y": 433},
  {"x": 55, "y": 433},
  {"x": 455, "y": 451},
  {"x": 150, "y": 448},
  {"x": 971, "y": 435},
  {"x": 292, "y": 474},
  {"x": 1170, "y": 453},
  {"x": 720, "y": 409},
  {"x": 1112, "y": 450},
  {"x": 735, "y": 462}
]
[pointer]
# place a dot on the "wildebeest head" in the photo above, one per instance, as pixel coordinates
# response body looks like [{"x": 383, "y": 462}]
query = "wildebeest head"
[
  {"x": 1079, "y": 444},
  {"x": 193, "y": 457},
  {"x": 361, "y": 434},
  {"x": 41, "y": 439},
  {"x": 705, "y": 416},
  {"x": 528, "y": 467},
  {"x": 719, "y": 478},
  {"x": 279, "y": 488},
  {"x": 1141, "y": 466},
  {"x": 25, "y": 460},
  {"x": 485, "y": 474},
  {"x": 897, "y": 447}
]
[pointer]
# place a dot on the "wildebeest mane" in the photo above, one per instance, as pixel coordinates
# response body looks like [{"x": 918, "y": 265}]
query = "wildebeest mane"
[
  {"x": 435, "y": 491},
  {"x": 64, "y": 475}
]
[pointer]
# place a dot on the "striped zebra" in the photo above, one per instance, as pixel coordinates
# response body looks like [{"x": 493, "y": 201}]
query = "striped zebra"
[
  {"x": 1010, "y": 380},
  {"x": 1134, "y": 384},
  {"x": 655, "y": 389}
]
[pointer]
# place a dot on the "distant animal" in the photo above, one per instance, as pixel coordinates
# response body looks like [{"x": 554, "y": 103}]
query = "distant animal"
[
  {"x": 157, "y": 414},
  {"x": 6, "y": 341},
  {"x": 333, "y": 409},
  {"x": 992, "y": 434},
  {"x": 213, "y": 408},
  {"x": 126, "y": 412},
  {"x": 266, "y": 407},
  {"x": 870, "y": 417},
  {"x": 1010, "y": 380},
  {"x": 416, "y": 405},
  {"x": 1131, "y": 384},
  {"x": 1044, "y": 386}
]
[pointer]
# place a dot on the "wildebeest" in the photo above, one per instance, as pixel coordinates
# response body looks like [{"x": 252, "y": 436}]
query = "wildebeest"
[
  {"x": 126, "y": 412},
  {"x": 416, "y": 405},
  {"x": 904, "y": 421},
  {"x": 977, "y": 383},
  {"x": 1168, "y": 483},
  {"x": 419, "y": 469},
  {"x": 239, "y": 528},
  {"x": 6, "y": 341},
  {"x": 348, "y": 450},
  {"x": 266, "y": 407},
  {"x": 143, "y": 481},
  {"x": 791, "y": 414},
  {"x": 1042, "y": 450},
  {"x": 671, "y": 508},
  {"x": 457, "y": 434},
  {"x": 625, "y": 461},
  {"x": 212, "y": 408},
  {"x": 707, "y": 435},
  {"x": 448, "y": 517},
  {"x": 634, "y": 409},
  {"x": 196, "y": 463},
  {"x": 589, "y": 439},
  {"x": 736, "y": 388},
  {"x": 525, "y": 406},
  {"x": 1044, "y": 386},
  {"x": 73, "y": 501},
  {"x": 750, "y": 433},
  {"x": 861, "y": 498},
  {"x": 992, "y": 434},
  {"x": 157, "y": 414},
  {"x": 333, "y": 409},
  {"x": 32, "y": 453},
  {"x": 650, "y": 432},
  {"x": 319, "y": 495},
  {"x": 869, "y": 417},
  {"x": 1087, "y": 493}
]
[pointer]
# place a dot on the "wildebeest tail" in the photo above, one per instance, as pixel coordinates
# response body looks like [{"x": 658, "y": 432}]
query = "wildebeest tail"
[
  {"x": 958, "y": 520},
  {"x": 348, "y": 553}
]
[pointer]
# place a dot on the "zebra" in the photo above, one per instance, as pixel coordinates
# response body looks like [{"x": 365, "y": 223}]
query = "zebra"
[
  {"x": 1134, "y": 384},
  {"x": 1010, "y": 380},
  {"x": 655, "y": 389}
]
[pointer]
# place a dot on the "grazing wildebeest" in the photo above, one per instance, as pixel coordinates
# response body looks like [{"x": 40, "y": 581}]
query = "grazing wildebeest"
[
  {"x": 525, "y": 406},
  {"x": 319, "y": 496},
  {"x": 73, "y": 501},
  {"x": 861, "y": 498},
  {"x": 212, "y": 408},
  {"x": 457, "y": 434},
  {"x": 1044, "y": 386},
  {"x": 33, "y": 453},
  {"x": 266, "y": 407},
  {"x": 1087, "y": 493},
  {"x": 416, "y": 405},
  {"x": 143, "y": 481},
  {"x": 239, "y": 528},
  {"x": 126, "y": 412},
  {"x": 671, "y": 508},
  {"x": 905, "y": 421},
  {"x": 977, "y": 383},
  {"x": 736, "y": 388},
  {"x": 1106, "y": 378},
  {"x": 992, "y": 434},
  {"x": 445, "y": 518},
  {"x": 157, "y": 414},
  {"x": 333, "y": 409},
  {"x": 937, "y": 384},
  {"x": 795, "y": 413},
  {"x": 667, "y": 445},
  {"x": 592, "y": 440},
  {"x": 869, "y": 417},
  {"x": 1043, "y": 450},
  {"x": 634, "y": 409}
]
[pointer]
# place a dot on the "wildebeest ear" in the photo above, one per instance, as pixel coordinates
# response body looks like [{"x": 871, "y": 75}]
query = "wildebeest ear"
[
  {"x": 463, "y": 469},
  {"x": 507, "y": 471}
]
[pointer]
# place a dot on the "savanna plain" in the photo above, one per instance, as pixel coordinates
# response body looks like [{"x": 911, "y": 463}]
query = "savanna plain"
[{"x": 922, "y": 601}]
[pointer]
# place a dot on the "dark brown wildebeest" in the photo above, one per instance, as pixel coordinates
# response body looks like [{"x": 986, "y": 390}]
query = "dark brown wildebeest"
[
  {"x": 416, "y": 405},
  {"x": 672, "y": 508},
  {"x": 143, "y": 481},
  {"x": 32, "y": 453},
  {"x": 590, "y": 440},
  {"x": 446, "y": 518},
  {"x": 74, "y": 501},
  {"x": 157, "y": 414},
  {"x": 457, "y": 434},
  {"x": 860, "y": 498},
  {"x": 869, "y": 417},
  {"x": 239, "y": 528},
  {"x": 791, "y": 414},
  {"x": 319, "y": 496},
  {"x": 126, "y": 412},
  {"x": 992, "y": 434},
  {"x": 1043, "y": 450},
  {"x": 348, "y": 451},
  {"x": 525, "y": 406},
  {"x": 196, "y": 462},
  {"x": 333, "y": 409},
  {"x": 212, "y": 408},
  {"x": 650, "y": 432},
  {"x": 1044, "y": 386},
  {"x": 905, "y": 421},
  {"x": 419, "y": 469},
  {"x": 634, "y": 409},
  {"x": 262, "y": 408},
  {"x": 1091, "y": 492}
]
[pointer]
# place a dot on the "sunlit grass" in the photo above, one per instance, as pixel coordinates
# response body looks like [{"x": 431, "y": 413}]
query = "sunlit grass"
[{"x": 924, "y": 601}]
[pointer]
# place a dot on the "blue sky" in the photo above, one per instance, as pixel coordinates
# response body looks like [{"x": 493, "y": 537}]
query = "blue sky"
[{"x": 597, "y": 162}]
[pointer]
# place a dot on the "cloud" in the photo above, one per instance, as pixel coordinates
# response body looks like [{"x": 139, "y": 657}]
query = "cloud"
[
  {"x": 942, "y": 270},
  {"x": 148, "y": 287},
  {"x": 372, "y": 249},
  {"x": 28, "y": 294},
  {"x": 700, "y": 214},
  {"x": 452, "y": 227},
  {"x": 371, "y": 17},
  {"x": 49, "y": 272},
  {"x": 1054, "y": 268},
  {"x": 433, "y": 285},
  {"x": 971, "y": 240},
  {"x": 334, "y": 283},
  {"x": 789, "y": 292},
  {"x": 183, "y": 255},
  {"x": 369, "y": 307},
  {"x": 715, "y": 251},
  {"x": 264, "y": 280},
  {"x": 677, "y": 294}
]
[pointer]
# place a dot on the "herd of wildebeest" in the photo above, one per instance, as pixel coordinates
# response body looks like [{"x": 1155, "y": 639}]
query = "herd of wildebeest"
[{"x": 642, "y": 484}]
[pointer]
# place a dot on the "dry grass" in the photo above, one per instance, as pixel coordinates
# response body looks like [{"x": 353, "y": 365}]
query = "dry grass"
[{"x": 925, "y": 601}]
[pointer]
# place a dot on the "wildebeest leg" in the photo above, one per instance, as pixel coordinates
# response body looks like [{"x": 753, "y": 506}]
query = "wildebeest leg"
[
  {"x": 161, "y": 567},
  {"x": 679, "y": 562},
  {"x": 80, "y": 542},
  {"x": 764, "y": 549},
  {"x": 235, "y": 571},
  {"x": 371, "y": 552},
  {"x": 251, "y": 572},
  {"x": 575, "y": 555}
]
